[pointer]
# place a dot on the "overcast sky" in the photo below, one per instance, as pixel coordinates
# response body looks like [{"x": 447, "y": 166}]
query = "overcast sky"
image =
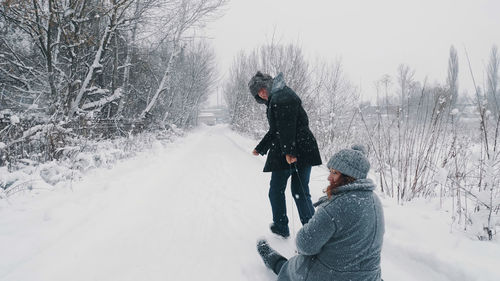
[{"x": 372, "y": 37}]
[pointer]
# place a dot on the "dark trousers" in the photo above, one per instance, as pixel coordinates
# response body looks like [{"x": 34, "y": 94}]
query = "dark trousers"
[{"x": 300, "y": 193}]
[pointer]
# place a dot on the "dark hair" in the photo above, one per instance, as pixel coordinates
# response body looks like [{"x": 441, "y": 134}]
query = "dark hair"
[{"x": 333, "y": 188}]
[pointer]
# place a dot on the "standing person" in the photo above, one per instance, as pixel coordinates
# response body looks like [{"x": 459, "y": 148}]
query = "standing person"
[
  {"x": 291, "y": 148},
  {"x": 343, "y": 240}
]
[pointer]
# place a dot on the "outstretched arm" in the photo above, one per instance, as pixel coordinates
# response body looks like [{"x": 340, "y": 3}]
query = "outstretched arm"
[{"x": 264, "y": 144}]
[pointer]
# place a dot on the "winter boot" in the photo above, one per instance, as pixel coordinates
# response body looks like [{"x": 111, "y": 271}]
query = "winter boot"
[
  {"x": 271, "y": 258},
  {"x": 280, "y": 230}
]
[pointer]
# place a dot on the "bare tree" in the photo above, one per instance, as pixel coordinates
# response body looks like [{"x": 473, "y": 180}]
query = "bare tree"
[
  {"x": 407, "y": 140},
  {"x": 188, "y": 14},
  {"x": 117, "y": 18},
  {"x": 26, "y": 75},
  {"x": 405, "y": 78},
  {"x": 245, "y": 114},
  {"x": 195, "y": 77},
  {"x": 138, "y": 17},
  {"x": 288, "y": 59},
  {"x": 452, "y": 80},
  {"x": 492, "y": 90},
  {"x": 335, "y": 103},
  {"x": 81, "y": 63}
]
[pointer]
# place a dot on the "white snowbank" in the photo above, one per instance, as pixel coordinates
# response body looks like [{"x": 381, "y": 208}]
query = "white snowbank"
[{"x": 193, "y": 211}]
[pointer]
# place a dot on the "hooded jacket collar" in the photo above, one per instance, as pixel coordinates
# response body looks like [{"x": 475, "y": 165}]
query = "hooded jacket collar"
[
  {"x": 278, "y": 83},
  {"x": 358, "y": 185}
]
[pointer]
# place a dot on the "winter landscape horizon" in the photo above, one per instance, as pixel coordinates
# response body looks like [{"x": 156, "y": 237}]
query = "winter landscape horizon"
[{"x": 127, "y": 129}]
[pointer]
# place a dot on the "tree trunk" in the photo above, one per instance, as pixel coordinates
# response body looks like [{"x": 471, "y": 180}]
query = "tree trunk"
[
  {"x": 166, "y": 78},
  {"x": 128, "y": 60},
  {"x": 110, "y": 29}
]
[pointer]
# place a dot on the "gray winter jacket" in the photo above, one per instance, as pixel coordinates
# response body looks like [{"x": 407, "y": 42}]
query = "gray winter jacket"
[{"x": 343, "y": 239}]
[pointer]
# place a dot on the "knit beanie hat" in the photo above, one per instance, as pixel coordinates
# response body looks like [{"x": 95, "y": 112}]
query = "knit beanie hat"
[
  {"x": 259, "y": 81},
  {"x": 351, "y": 162}
]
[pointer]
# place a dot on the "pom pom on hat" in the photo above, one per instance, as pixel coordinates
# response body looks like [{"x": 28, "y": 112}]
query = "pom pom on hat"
[{"x": 359, "y": 147}]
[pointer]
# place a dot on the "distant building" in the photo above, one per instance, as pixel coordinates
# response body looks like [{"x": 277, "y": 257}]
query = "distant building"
[
  {"x": 213, "y": 115},
  {"x": 207, "y": 118}
]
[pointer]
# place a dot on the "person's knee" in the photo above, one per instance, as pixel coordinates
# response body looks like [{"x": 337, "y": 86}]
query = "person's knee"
[
  {"x": 277, "y": 189},
  {"x": 276, "y": 192},
  {"x": 278, "y": 184},
  {"x": 300, "y": 194}
]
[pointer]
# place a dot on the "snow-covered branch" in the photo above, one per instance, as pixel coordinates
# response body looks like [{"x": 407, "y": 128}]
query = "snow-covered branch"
[{"x": 116, "y": 95}]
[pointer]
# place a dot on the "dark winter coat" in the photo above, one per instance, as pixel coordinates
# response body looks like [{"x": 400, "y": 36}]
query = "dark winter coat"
[
  {"x": 343, "y": 239},
  {"x": 289, "y": 131}
]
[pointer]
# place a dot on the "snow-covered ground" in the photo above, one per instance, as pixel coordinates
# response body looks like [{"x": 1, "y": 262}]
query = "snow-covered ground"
[{"x": 193, "y": 210}]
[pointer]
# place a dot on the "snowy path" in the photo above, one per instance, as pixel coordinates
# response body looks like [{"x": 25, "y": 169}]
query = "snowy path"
[{"x": 191, "y": 211}]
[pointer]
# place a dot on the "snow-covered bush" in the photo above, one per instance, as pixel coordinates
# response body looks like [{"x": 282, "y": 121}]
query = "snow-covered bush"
[
  {"x": 409, "y": 140},
  {"x": 75, "y": 160}
]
